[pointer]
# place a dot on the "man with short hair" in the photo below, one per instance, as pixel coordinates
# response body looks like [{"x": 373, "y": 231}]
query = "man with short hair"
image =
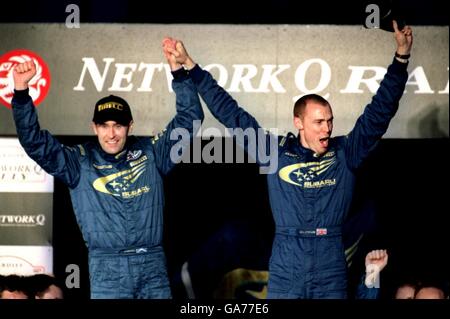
[{"x": 311, "y": 192}]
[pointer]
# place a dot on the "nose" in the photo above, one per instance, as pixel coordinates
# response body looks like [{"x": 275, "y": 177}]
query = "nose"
[
  {"x": 325, "y": 127},
  {"x": 111, "y": 133},
  {"x": 329, "y": 127}
]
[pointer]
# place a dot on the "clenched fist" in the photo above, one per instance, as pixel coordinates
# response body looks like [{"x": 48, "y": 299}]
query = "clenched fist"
[{"x": 22, "y": 74}]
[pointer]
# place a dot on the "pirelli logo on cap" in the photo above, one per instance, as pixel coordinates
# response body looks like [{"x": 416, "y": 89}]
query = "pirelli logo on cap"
[{"x": 110, "y": 105}]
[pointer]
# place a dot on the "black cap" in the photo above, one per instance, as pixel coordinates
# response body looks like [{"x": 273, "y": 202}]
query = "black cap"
[{"x": 112, "y": 108}]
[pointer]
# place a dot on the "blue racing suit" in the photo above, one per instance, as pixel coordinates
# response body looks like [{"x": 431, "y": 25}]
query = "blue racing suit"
[
  {"x": 310, "y": 195},
  {"x": 118, "y": 199}
]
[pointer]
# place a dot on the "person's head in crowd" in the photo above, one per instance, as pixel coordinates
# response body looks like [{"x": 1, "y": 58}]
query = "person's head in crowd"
[
  {"x": 431, "y": 290},
  {"x": 13, "y": 287},
  {"x": 405, "y": 291},
  {"x": 405, "y": 285},
  {"x": 44, "y": 286}
]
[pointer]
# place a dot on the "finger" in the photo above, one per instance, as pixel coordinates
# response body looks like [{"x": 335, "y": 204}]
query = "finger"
[
  {"x": 377, "y": 254},
  {"x": 180, "y": 46},
  {"x": 395, "y": 26},
  {"x": 173, "y": 59},
  {"x": 176, "y": 53},
  {"x": 167, "y": 40},
  {"x": 380, "y": 254},
  {"x": 408, "y": 31},
  {"x": 21, "y": 68}
]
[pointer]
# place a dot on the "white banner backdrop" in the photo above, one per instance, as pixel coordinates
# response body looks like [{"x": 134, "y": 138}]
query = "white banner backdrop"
[
  {"x": 26, "y": 260},
  {"x": 265, "y": 67}
]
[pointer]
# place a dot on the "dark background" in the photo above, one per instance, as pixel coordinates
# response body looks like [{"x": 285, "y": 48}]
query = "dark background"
[
  {"x": 416, "y": 12},
  {"x": 406, "y": 178}
]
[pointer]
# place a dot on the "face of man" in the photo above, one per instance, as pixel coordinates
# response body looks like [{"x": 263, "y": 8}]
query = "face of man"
[
  {"x": 315, "y": 126},
  {"x": 112, "y": 136}
]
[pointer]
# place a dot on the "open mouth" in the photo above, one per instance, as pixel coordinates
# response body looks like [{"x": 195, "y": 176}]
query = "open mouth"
[{"x": 324, "y": 141}]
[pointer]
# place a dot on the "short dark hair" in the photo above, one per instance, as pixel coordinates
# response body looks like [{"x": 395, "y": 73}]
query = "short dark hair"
[
  {"x": 39, "y": 283},
  {"x": 12, "y": 283},
  {"x": 300, "y": 105}
]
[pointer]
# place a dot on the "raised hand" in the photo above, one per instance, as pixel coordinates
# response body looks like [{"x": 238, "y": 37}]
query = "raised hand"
[
  {"x": 404, "y": 38},
  {"x": 22, "y": 74},
  {"x": 378, "y": 257},
  {"x": 376, "y": 260},
  {"x": 180, "y": 54},
  {"x": 168, "y": 45}
]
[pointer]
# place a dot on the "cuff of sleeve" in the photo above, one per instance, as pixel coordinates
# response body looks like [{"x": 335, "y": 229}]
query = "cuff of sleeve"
[
  {"x": 21, "y": 96},
  {"x": 401, "y": 65},
  {"x": 180, "y": 74},
  {"x": 196, "y": 74}
]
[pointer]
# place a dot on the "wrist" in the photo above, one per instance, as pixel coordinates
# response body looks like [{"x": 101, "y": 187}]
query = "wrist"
[
  {"x": 189, "y": 64},
  {"x": 175, "y": 67},
  {"x": 21, "y": 96},
  {"x": 402, "y": 58},
  {"x": 402, "y": 55},
  {"x": 20, "y": 86}
]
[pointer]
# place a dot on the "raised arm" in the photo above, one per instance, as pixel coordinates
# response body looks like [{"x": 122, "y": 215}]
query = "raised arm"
[
  {"x": 404, "y": 39},
  {"x": 376, "y": 260},
  {"x": 40, "y": 145},
  {"x": 171, "y": 144},
  {"x": 260, "y": 146},
  {"x": 219, "y": 101},
  {"x": 374, "y": 121}
]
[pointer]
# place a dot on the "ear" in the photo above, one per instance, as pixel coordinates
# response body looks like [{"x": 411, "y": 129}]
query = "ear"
[
  {"x": 94, "y": 128},
  {"x": 130, "y": 127},
  {"x": 298, "y": 123}
]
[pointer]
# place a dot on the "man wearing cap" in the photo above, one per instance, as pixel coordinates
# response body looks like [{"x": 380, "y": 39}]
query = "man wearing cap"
[{"x": 115, "y": 184}]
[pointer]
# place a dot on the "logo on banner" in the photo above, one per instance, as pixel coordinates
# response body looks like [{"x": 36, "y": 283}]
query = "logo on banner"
[
  {"x": 18, "y": 172},
  {"x": 19, "y": 265},
  {"x": 25, "y": 260},
  {"x": 39, "y": 85},
  {"x": 22, "y": 220}
]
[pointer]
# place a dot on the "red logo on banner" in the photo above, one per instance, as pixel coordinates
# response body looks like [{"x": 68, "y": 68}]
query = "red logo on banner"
[{"x": 38, "y": 85}]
